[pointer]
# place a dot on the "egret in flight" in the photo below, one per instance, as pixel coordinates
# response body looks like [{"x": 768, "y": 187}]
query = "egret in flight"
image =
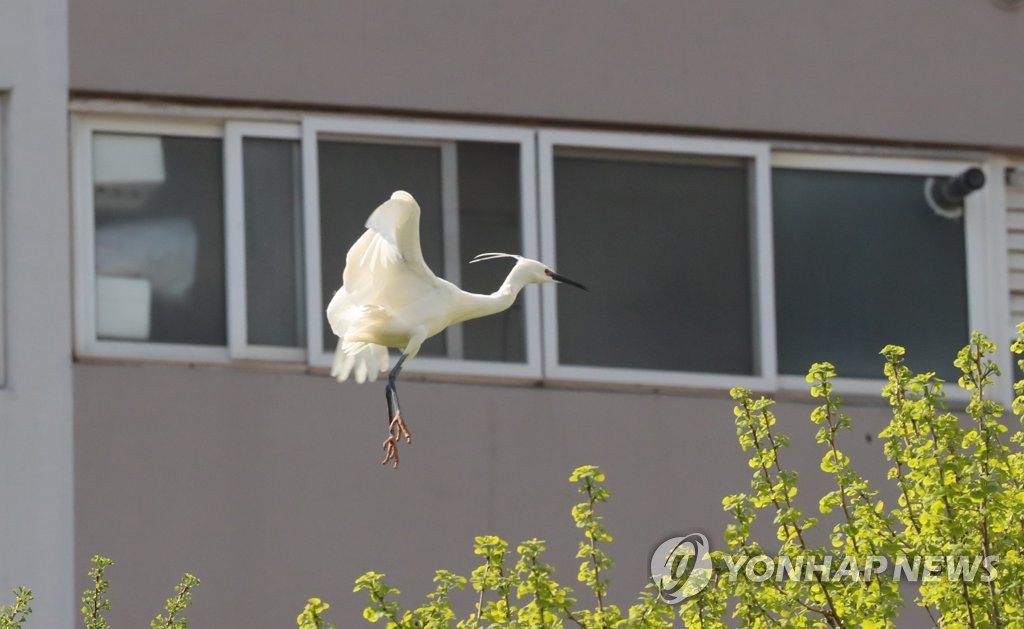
[{"x": 390, "y": 298}]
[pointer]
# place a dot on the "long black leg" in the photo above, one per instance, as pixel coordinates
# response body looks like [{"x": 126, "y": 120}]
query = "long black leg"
[
  {"x": 391, "y": 405},
  {"x": 392, "y": 390},
  {"x": 396, "y": 425}
]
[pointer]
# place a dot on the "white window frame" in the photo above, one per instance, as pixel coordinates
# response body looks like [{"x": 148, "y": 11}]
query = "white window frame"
[
  {"x": 445, "y": 135},
  {"x": 3, "y": 252},
  {"x": 763, "y": 306},
  {"x": 985, "y": 250},
  {"x": 86, "y": 342},
  {"x": 234, "y": 227},
  {"x": 1009, "y": 197},
  {"x": 997, "y": 199}
]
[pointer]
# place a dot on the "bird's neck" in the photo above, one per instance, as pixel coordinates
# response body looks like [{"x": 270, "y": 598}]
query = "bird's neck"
[
  {"x": 509, "y": 290},
  {"x": 476, "y": 305}
]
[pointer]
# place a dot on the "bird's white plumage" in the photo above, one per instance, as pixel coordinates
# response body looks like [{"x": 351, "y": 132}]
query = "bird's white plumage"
[
  {"x": 364, "y": 361},
  {"x": 384, "y": 275},
  {"x": 395, "y": 228},
  {"x": 391, "y": 298},
  {"x": 493, "y": 255}
]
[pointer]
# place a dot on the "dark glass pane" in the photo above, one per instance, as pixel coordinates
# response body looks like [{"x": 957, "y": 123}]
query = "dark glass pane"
[
  {"x": 273, "y": 242},
  {"x": 861, "y": 261},
  {"x": 159, "y": 239},
  {"x": 489, "y": 209},
  {"x": 664, "y": 245},
  {"x": 356, "y": 177}
]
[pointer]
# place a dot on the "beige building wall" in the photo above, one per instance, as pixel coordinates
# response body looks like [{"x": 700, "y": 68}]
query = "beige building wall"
[
  {"x": 268, "y": 485},
  {"x": 36, "y": 502},
  {"x": 935, "y": 71}
]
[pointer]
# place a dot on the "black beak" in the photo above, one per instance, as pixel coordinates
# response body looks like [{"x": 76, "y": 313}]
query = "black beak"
[{"x": 564, "y": 280}]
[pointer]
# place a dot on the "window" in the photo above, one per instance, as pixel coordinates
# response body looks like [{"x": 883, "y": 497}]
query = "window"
[
  {"x": 469, "y": 182},
  {"x": 152, "y": 257},
  {"x": 670, "y": 234},
  {"x": 266, "y": 291},
  {"x": 223, "y": 241},
  {"x": 862, "y": 260},
  {"x": 712, "y": 263}
]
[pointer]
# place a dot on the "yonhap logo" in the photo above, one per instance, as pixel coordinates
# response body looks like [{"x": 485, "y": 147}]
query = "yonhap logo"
[{"x": 681, "y": 567}]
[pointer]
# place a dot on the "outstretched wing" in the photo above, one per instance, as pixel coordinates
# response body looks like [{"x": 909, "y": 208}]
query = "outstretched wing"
[
  {"x": 386, "y": 284},
  {"x": 396, "y": 224},
  {"x": 386, "y": 263}
]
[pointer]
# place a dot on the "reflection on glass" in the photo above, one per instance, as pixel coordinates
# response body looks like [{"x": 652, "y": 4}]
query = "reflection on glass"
[{"x": 159, "y": 239}]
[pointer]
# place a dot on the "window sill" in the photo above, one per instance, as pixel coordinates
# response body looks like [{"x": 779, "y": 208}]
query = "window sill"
[{"x": 785, "y": 394}]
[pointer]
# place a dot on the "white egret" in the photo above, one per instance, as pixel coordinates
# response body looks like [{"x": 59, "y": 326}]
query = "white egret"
[{"x": 390, "y": 298}]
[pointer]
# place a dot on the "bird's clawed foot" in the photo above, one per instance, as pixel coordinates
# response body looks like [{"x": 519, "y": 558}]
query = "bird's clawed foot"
[
  {"x": 390, "y": 452},
  {"x": 396, "y": 430}
]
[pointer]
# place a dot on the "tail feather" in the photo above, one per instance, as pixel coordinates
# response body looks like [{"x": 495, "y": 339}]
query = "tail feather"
[{"x": 363, "y": 360}]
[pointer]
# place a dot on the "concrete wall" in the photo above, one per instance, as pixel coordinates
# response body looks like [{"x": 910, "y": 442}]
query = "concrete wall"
[
  {"x": 35, "y": 404},
  {"x": 943, "y": 71},
  {"x": 268, "y": 485}
]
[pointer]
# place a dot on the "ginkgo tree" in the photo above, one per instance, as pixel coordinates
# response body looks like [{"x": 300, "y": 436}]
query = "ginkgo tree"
[{"x": 958, "y": 478}]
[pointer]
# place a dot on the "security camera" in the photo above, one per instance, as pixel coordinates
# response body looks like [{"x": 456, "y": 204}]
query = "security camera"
[{"x": 945, "y": 195}]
